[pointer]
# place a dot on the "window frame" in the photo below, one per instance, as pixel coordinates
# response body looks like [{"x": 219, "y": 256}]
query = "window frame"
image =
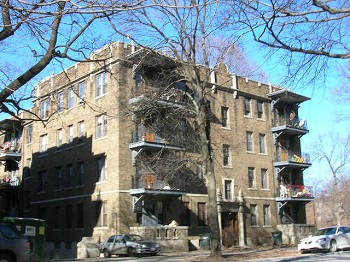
[
  {"x": 226, "y": 155},
  {"x": 101, "y": 84},
  {"x": 224, "y": 117},
  {"x": 101, "y": 169},
  {"x": 60, "y": 102},
  {"x": 267, "y": 215},
  {"x": 254, "y": 215},
  {"x": 71, "y": 98},
  {"x": 45, "y": 108},
  {"x": 247, "y": 106},
  {"x": 101, "y": 126},
  {"x": 264, "y": 177},
  {"x": 249, "y": 141},
  {"x": 260, "y": 109},
  {"x": 262, "y": 144},
  {"x": 251, "y": 178}
]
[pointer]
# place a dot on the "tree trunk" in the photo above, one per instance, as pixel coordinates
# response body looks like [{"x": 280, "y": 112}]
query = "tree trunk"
[{"x": 203, "y": 120}]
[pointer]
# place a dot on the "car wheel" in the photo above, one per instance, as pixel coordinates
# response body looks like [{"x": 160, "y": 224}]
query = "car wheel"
[
  {"x": 333, "y": 246},
  {"x": 106, "y": 253},
  {"x": 6, "y": 258},
  {"x": 131, "y": 251},
  {"x": 153, "y": 254}
]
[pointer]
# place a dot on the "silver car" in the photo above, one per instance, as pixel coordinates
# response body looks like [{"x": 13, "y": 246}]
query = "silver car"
[
  {"x": 13, "y": 245},
  {"x": 128, "y": 244},
  {"x": 327, "y": 239}
]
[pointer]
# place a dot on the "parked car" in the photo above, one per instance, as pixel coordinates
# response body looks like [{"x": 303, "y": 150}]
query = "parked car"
[
  {"x": 326, "y": 239},
  {"x": 14, "y": 247},
  {"x": 128, "y": 244}
]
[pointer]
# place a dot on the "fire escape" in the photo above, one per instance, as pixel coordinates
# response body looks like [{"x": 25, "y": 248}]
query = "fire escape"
[
  {"x": 10, "y": 157},
  {"x": 290, "y": 162},
  {"x": 153, "y": 138}
]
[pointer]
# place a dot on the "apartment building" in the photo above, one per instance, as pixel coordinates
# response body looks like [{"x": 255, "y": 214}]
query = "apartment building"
[{"x": 90, "y": 168}]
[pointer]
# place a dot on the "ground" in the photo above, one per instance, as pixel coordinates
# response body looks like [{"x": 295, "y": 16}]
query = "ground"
[{"x": 249, "y": 253}]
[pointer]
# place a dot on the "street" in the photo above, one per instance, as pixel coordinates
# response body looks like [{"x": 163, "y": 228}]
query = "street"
[{"x": 203, "y": 256}]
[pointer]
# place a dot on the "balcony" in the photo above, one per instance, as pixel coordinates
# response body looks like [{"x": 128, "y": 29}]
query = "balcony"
[
  {"x": 296, "y": 192},
  {"x": 10, "y": 150},
  {"x": 145, "y": 138},
  {"x": 287, "y": 126},
  {"x": 292, "y": 159},
  {"x": 11, "y": 183}
]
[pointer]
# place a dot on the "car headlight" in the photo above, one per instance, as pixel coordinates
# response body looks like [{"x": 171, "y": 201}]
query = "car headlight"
[
  {"x": 137, "y": 245},
  {"x": 156, "y": 245},
  {"x": 321, "y": 240}
]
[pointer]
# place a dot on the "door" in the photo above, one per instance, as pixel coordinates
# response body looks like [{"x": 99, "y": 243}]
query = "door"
[{"x": 229, "y": 223}]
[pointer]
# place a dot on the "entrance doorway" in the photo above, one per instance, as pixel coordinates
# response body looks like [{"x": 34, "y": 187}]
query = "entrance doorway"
[{"x": 229, "y": 224}]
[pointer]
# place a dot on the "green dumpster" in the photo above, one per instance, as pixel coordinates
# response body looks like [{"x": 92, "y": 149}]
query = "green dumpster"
[
  {"x": 277, "y": 238},
  {"x": 204, "y": 241},
  {"x": 34, "y": 229}
]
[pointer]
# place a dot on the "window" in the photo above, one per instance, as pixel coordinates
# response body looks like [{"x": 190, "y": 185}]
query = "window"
[
  {"x": 101, "y": 169},
  {"x": 81, "y": 173},
  {"x": 251, "y": 177},
  {"x": 250, "y": 146},
  {"x": 29, "y": 134},
  {"x": 59, "y": 137},
  {"x": 59, "y": 176},
  {"x": 138, "y": 79},
  {"x": 260, "y": 109},
  {"x": 264, "y": 179},
  {"x": 81, "y": 129},
  {"x": 60, "y": 103},
  {"x": 70, "y": 174},
  {"x": 101, "y": 126},
  {"x": 247, "y": 110},
  {"x": 81, "y": 92},
  {"x": 80, "y": 215},
  {"x": 26, "y": 170},
  {"x": 202, "y": 214},
  {"x": 267, "y": 217},
  {"x": 101, "y": 212},
  {"x": 101, "y": 84},
  {"x": 57, "y": 224},
  {"x": 68, "y": 209},
  {"x": 27, "y": 200},
  {"x": 262, "y": 143},
  {"x": 224, "y": 116},
  {"x": 253, "y": 215},
  {"x": 226, "y": 153},
  {"x": 43, "y": 181},
  {"x": 45, "y": 108},
  {"x": 43, "y": 143},
  {"x": 70, "y": 134},
  {"x": 71, "y": 96},
  {"x": 228, "y": 189}
]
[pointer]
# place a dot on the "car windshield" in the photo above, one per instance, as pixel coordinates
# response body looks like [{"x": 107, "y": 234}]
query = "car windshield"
[
  {"x": 133, "y": 238},
  {"x": 325, "y": 231}
]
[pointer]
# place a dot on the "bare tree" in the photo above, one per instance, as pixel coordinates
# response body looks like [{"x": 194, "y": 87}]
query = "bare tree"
[
  {"x": 314, "y": 32},
  {"x": 35, "y": 34},
  {"x": 334, "y": 150},
  {"x": 181, "y": 34}
]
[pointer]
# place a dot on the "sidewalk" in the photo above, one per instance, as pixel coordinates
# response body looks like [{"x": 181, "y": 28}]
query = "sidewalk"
[{"x": 244, "y": 254}]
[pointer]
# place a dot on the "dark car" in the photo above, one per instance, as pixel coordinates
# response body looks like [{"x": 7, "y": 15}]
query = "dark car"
[
  {"x": 14, "y": 247},
  {"x": 128, "y": 244}
]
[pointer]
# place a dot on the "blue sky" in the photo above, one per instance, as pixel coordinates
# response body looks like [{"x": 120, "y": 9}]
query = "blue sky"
[{"x": 321, "y": 112}]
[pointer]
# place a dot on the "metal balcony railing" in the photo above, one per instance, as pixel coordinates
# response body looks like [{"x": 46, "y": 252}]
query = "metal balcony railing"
[
  {"x": 287, "y": 121},
  {"x": 293, "y": 156},
  {"x": 296, "y": 191},
  {"x": 11, "y": 147},
  {"x": 148, "y": 135}
]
